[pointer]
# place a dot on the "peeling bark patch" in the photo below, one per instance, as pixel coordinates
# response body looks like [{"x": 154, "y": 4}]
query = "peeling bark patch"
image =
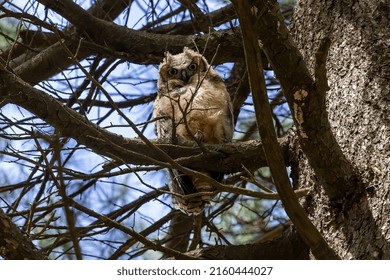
[
  {"x": 357, "y": 107},
  {"x": 254, "y": 10},
  {"x": 299, "y": 97},
  {"x": 260, "y": 43}
]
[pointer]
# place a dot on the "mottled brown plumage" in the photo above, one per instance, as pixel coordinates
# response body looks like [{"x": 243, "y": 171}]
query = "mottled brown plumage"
[{"x": 192, "y": 104}]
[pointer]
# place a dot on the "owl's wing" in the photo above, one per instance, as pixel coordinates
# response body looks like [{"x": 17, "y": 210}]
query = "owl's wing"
[
  {"x": 229, "y": 122},
  {"x": 164, "y": 125},
  {"x": 164, "y": 129},
  {"x": 226, "y": 121}
]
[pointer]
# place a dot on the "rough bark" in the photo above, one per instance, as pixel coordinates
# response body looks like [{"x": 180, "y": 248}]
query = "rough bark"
[
  {"x": 357, "y": 70},
  {"x": 180, "y": 229},
  {"x": 305, "y": 96},
  {"x": 290, "y": 246},
  {"x": 248, "y": 16},
  {"x": 14, "y": 245}
]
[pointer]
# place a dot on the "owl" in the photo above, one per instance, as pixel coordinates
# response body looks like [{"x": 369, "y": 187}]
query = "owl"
[{"x": 192, "y": 104}]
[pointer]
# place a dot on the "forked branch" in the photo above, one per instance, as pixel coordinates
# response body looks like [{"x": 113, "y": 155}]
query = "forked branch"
[
  {"x": 306, "y": 229},
  {"x": 306, "y": 99}
]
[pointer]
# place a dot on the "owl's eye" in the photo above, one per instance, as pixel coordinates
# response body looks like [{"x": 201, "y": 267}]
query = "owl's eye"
[
  {"x": 172, "y": 71},
  {"x": 192, "y": 66}
]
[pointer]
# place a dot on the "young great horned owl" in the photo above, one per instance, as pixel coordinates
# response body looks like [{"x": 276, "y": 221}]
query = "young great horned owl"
[{"x": 192, "y": 104}]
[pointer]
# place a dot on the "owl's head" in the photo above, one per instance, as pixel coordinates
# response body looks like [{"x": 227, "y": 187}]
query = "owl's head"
[{"x": 183, "y": 68}]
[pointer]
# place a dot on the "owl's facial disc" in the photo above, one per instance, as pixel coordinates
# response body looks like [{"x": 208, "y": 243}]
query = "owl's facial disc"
[{"x": 182, "y": 71}]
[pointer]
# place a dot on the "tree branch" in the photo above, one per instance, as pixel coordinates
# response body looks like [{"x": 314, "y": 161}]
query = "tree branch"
[
  {"x": 134, "y": 42},
  {"x": 14, "y": 245},
  {"x": 179, "y": 232},
  {"x": 53, "y": 59},
  {"x": 228, "y": 157},
  {"x": 308, "y": 231},
  {"x": 288, "y": 247},
  {"x": 216, "y": 18},
  {"x": 128, "y": 43},
  {"x": 306, "y": 103}
]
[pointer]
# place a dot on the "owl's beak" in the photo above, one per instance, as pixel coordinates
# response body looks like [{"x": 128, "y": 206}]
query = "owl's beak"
[{"x": 184, "y": 76}]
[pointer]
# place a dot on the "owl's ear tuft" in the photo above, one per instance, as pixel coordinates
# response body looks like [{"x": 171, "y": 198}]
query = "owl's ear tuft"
[
  {"x": 167, "y": 57},
  {"x": 200, "y": 59},
  {"x": 189, "y": 51},
  {"x": 205, "y": 63}
]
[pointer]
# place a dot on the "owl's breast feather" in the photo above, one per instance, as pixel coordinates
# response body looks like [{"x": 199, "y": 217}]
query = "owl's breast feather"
[{"x": 179, "y": 91}]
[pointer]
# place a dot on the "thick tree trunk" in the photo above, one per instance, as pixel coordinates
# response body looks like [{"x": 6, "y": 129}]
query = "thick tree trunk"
[{"x": 358, "y": 106}]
